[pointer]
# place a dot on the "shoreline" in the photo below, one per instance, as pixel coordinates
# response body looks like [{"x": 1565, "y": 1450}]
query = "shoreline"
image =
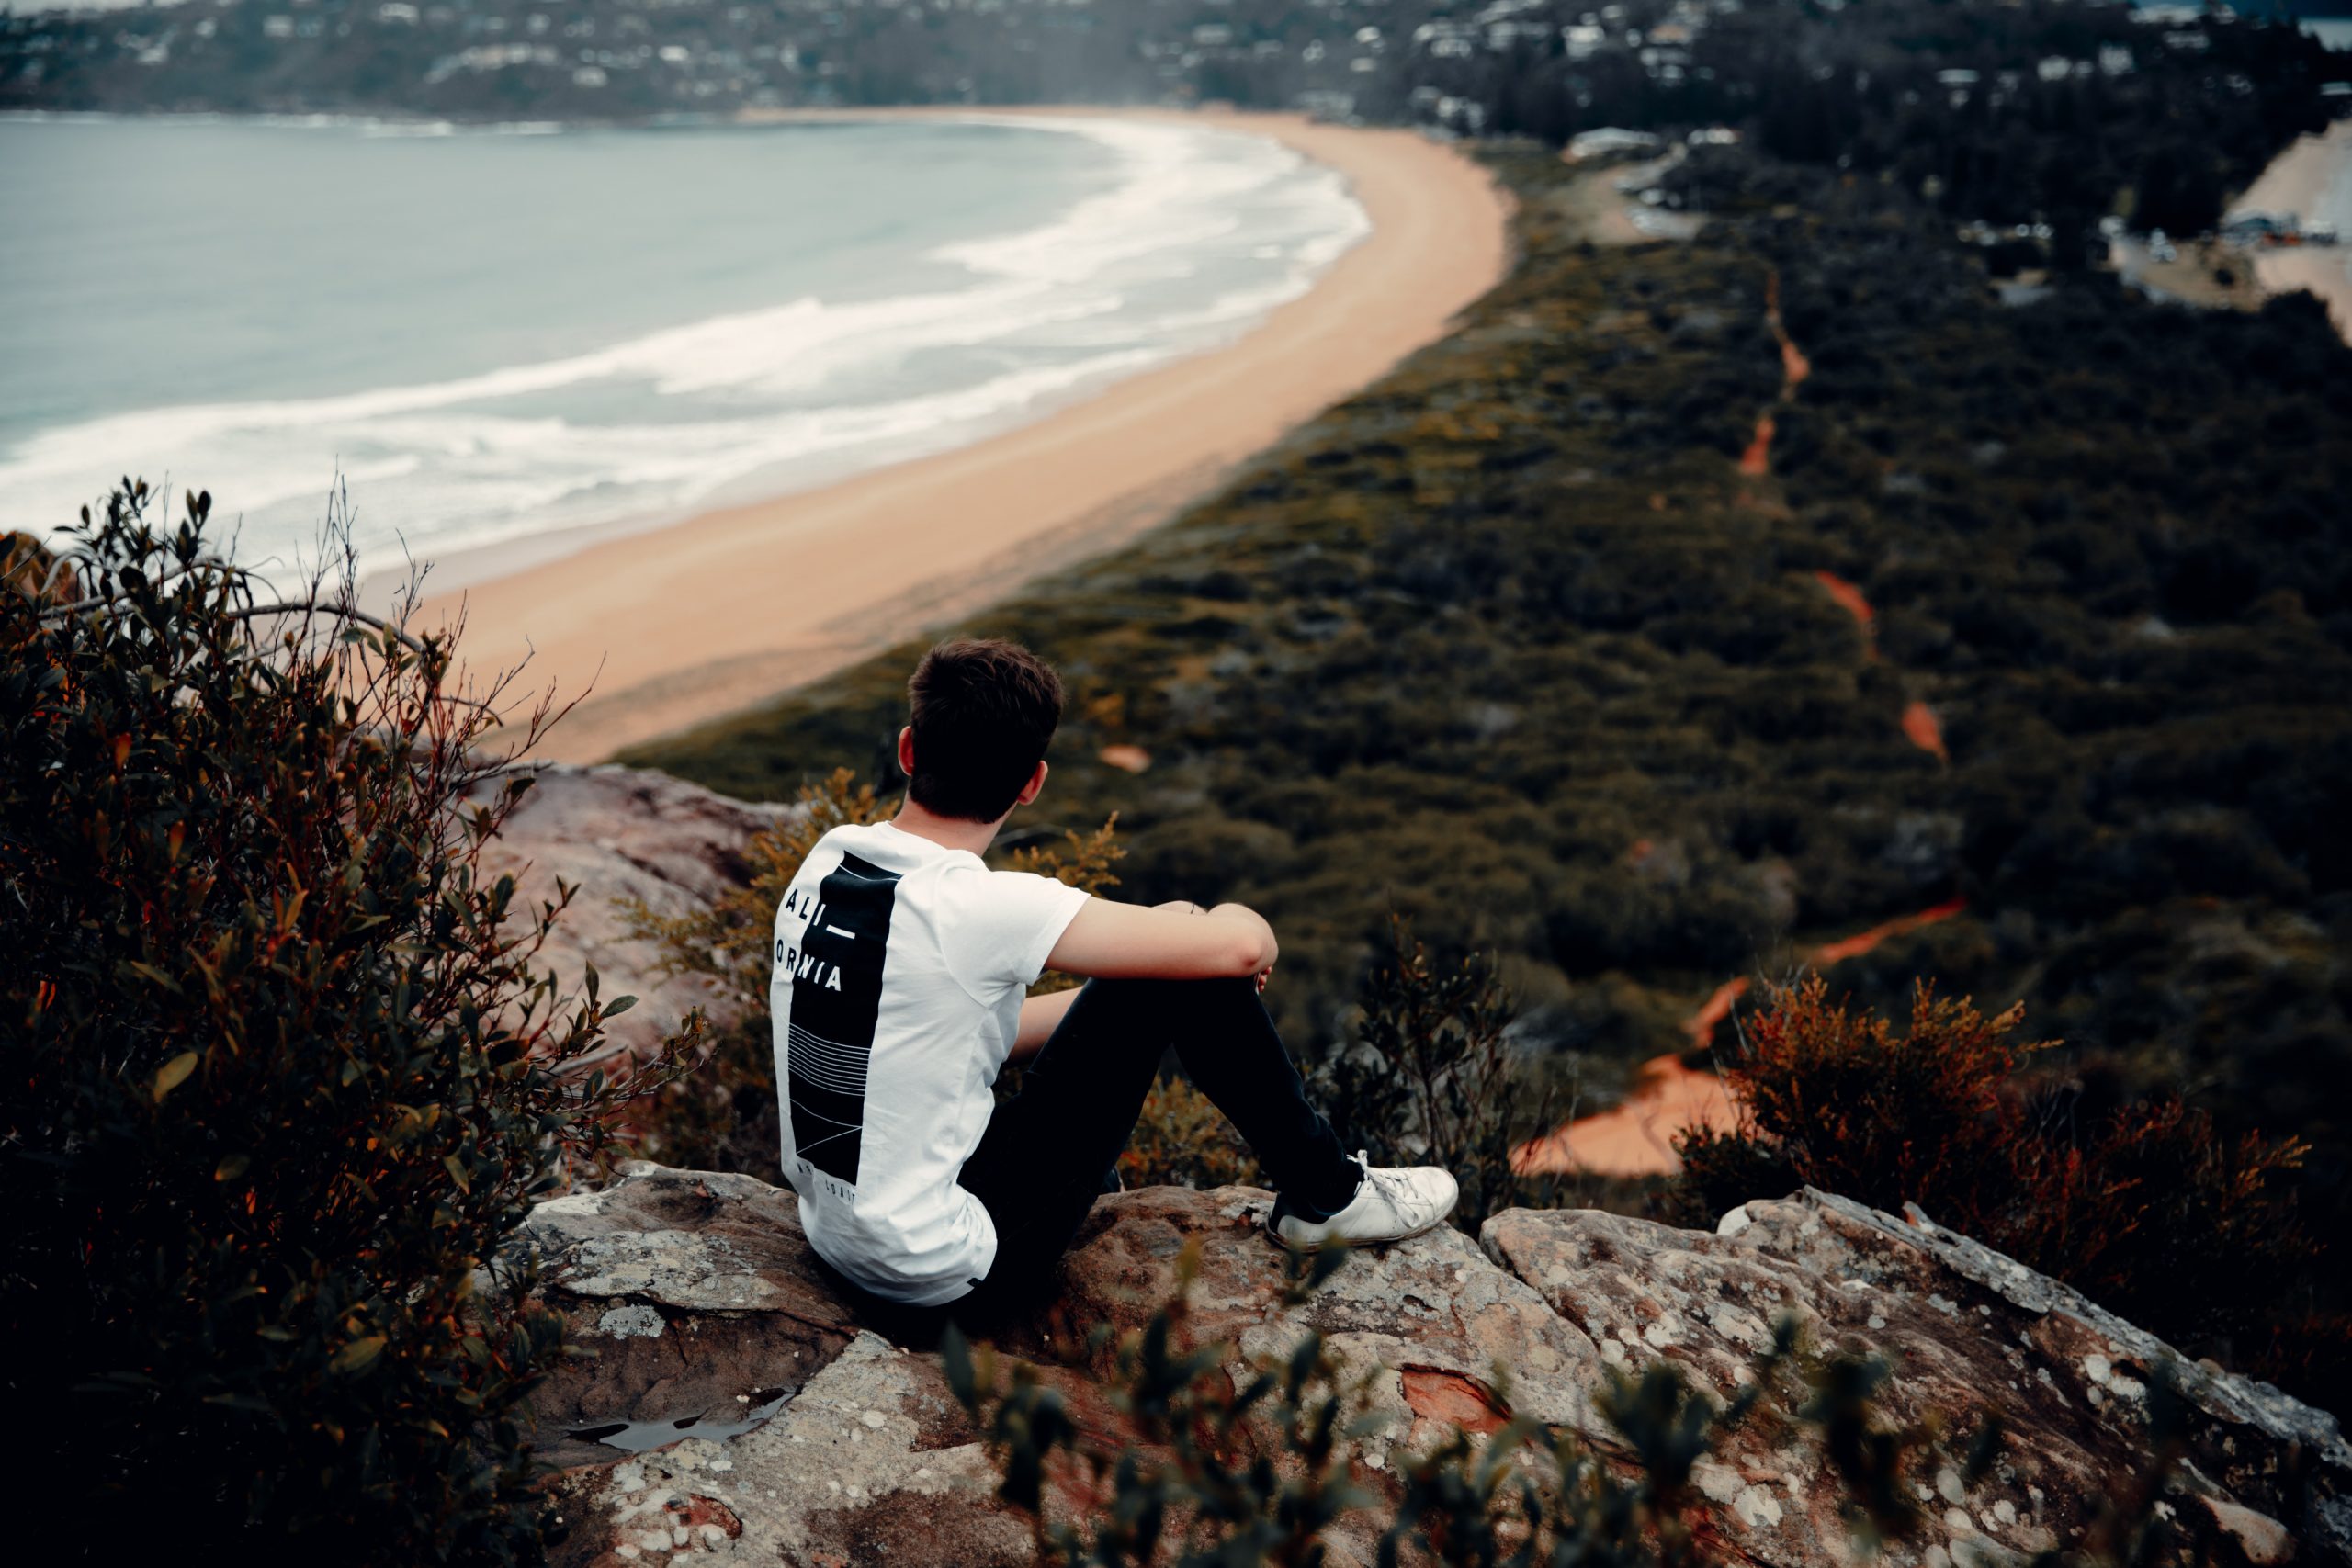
[
  {"x": 681, "y": 624},
  {"x": 2298, "y": 181}
]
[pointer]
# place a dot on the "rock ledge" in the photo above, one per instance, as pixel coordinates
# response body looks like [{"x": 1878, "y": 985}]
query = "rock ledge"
[{"x": 707, "y": 1307}]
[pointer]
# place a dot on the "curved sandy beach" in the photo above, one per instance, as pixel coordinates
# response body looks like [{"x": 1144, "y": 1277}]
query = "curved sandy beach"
[
  {"x": 681, "y": 625},
  {"x": 2301, "y": 180}
]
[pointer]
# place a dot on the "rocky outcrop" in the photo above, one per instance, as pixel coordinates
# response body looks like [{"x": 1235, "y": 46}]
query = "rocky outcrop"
[
  {"x": 1969, "y": 1335},
  {"x": 774, "y": 1424},
  {"x": 618, "y": 833},
  {"x": 697, "y": 1293}
]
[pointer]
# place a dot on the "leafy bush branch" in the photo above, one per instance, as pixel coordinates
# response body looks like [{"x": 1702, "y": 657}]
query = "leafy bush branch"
[
  {"x": 1429, "y": 1077},
  {"x": 2130, "y": 1208},
  {"x": 1247, "y": 1475},
  {"x": 282, "y": 1068}
]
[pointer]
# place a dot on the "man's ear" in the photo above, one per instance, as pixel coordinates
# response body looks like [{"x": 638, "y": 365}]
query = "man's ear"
[
  {"x": 906, "y": 751},
  {"x": 1029, "y": 790}
]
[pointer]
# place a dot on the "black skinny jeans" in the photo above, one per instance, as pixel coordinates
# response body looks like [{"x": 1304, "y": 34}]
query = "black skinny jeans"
[{"x": 1050, "y": 1151}]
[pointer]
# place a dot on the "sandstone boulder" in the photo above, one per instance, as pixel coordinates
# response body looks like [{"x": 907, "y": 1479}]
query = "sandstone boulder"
[
  {"x": 1967, "y": 1334},
  {"x": 701, "y": 1301},
  {"x": 769, "y": 1422},
  {"x": 618, "y": 833},
  {"x": 1433, "y": 1310}
]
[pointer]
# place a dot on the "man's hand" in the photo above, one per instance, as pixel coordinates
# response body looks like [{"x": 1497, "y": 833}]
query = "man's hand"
[{"x": 1172, "y": 941}]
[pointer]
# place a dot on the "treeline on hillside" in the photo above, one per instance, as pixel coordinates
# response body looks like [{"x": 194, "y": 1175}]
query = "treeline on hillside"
[
  {"x": 2052, "y": 111},
  {"x": 1512, "y": 643},
  {"x": 2045, "y": 112}
]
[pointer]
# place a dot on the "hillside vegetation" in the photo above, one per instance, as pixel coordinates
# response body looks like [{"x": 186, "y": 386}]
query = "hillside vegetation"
[{"x": 2042, "y": 610}]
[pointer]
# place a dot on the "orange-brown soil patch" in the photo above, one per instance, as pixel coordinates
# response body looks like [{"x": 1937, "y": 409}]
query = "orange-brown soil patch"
[
  {"x": 1636, "y": 1137},
  {"x": 1923, "y": 729}
]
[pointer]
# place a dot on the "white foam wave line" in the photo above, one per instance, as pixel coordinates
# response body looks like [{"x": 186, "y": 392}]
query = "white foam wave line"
[
  {"x": 1168, "y": 199},
  {"x": 567, "y": 474},
  {"x": 566, "y": 477},
  {"x": 701, "y": 357},
  {"x": 1173, "y": 195},
  {"x": 705, "y": 357}
]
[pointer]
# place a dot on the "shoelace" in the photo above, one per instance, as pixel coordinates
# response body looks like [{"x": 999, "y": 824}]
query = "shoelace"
[{"x": 1390, "y": 1184}]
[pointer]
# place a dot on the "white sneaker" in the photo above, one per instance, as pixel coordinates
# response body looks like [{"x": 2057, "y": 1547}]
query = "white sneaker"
[{"x": 1391, "y": 1203}]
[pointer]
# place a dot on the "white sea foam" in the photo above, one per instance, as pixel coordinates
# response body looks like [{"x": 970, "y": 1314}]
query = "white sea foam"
[{"x": 808, "y": 388}]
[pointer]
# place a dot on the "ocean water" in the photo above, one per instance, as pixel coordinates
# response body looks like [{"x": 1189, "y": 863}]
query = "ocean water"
[{"x": 498, "y": 335}]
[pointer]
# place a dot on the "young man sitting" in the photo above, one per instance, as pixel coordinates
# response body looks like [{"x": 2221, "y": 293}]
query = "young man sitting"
[{"x": 902, "y": 965}]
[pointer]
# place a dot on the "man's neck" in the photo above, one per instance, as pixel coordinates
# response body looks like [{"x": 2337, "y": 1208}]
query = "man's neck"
[{"x": 953, "y": 832}]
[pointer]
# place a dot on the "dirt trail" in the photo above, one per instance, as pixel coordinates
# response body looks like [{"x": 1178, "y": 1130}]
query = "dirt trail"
[
  {"x": 1862, "y": 941},
  {"x": 1794, "y": 366},
  {"x": 1757, "y": 461},
  {"x": 1700, "y": 1025},
  {"x": 1849, "y": 599},
  {"x": 1920, "y": 725},
  {"x": 1925, "y": 730},
  {"x": 1636, "y": 1137}
]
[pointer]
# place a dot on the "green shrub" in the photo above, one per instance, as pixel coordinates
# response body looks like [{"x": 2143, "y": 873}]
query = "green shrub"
[
  {"x": 1203, "y": 1486},
  {"x": 1429, "y": 1077},
  {"x": 279, "y": 1071}
]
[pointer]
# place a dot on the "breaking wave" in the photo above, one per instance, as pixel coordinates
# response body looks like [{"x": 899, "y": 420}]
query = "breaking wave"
[{"x": 1196, "y": 236}]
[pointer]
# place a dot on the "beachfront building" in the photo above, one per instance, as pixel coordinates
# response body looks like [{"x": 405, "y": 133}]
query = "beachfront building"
[{"x": 1608, "y": 142}]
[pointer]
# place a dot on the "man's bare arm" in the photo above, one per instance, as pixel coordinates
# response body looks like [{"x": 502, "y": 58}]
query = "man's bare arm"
[
  {"x": 1040, "y": 1016},
  {"x": 1127, "y": 941}
]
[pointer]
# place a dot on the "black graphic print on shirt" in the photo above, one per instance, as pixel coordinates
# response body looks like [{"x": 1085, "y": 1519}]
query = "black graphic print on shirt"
[{"x": 836, "y": 996}]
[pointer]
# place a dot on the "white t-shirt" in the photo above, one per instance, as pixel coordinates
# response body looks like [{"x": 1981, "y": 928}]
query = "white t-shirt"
[{"x": 901, "y": 966}]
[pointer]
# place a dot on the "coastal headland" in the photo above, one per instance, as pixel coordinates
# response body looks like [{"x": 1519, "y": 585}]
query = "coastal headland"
[{"x": 655, "y": 631}]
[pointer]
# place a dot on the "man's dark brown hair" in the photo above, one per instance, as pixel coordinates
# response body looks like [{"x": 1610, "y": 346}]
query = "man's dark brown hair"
[{"x": 983, "y": 710}]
